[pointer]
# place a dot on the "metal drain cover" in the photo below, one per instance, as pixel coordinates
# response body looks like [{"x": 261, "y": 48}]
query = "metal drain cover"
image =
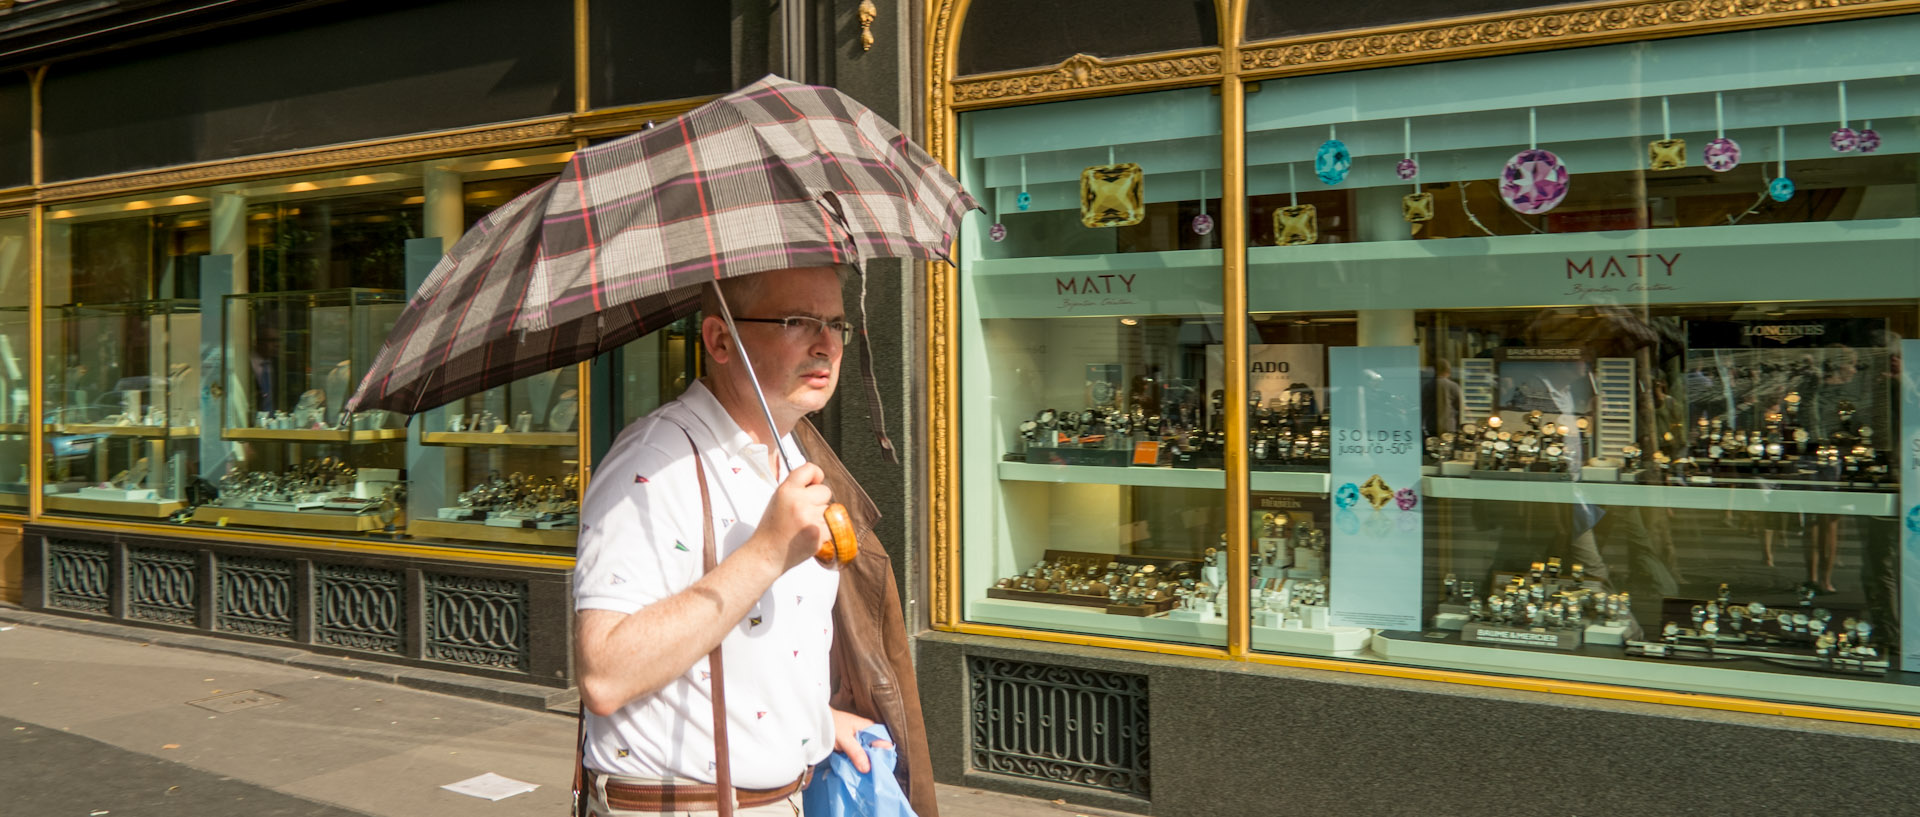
[{"x": 235, "y": 701}]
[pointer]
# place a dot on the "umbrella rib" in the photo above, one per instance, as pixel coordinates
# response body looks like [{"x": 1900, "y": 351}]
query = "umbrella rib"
[
  {"x": 466, "y": 308},
  {"x": 700, "y": 193},
  {"x": 593, "y": 245}
]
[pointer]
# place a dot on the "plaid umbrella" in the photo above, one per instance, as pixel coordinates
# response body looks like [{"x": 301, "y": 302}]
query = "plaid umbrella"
[{"x": 772, "y": 176}]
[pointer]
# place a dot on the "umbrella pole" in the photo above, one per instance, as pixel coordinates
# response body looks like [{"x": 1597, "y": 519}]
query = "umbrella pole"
[
  {"x": 844, "y": 544},
  {"x": 739, "y": 347}
]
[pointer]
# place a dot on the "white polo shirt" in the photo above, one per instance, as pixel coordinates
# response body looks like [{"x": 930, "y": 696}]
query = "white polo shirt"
[{"x": 640, "y": 542}]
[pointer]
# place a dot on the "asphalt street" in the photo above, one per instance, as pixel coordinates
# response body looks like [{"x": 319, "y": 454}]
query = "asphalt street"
[{"x": 50, "y": 772}]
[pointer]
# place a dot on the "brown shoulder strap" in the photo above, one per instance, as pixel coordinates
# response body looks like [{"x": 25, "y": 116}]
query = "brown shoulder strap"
[
  {"x": 580, "y": 763},
  {"x": 722, "y": 767}
]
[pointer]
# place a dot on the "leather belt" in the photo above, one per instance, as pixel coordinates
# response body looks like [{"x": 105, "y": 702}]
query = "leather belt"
[{"x": 690, "y": 796}]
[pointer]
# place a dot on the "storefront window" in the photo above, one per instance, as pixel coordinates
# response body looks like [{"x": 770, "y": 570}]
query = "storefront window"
[
  {"x": 1609, "y": 342},
  {"x": 1091, "y": 301},
  {"x": 15, "y": 357},
  {"x": 1583, "y": 364},
  {"x": 201, "y": 346},
  {"x": 121, "y": 348}
]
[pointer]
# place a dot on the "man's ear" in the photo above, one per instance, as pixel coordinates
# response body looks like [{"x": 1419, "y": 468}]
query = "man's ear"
[{"x": 713, "y": 333}]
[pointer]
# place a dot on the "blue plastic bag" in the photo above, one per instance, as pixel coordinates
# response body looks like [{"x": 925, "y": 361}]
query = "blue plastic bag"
[{"x": 839, "y": 790}]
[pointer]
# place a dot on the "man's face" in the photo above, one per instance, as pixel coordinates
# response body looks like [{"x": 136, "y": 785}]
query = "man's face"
[{"x": 798, "y": 367}]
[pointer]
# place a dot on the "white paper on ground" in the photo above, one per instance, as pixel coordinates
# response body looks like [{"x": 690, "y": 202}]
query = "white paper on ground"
[{"x": 491, "y": 786}]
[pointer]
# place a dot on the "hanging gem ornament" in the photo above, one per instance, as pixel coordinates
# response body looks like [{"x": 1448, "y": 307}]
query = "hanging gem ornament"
[
  {"x": 1869, "y": 139},
  {"x": 1668, "y": 153},
  {"x": 1025, "y": 199},
  {"x": 1203, "y": 223},
  {"x": 1722, "y": 154},
  {"x": 998, "y": 232},
  {"x": 1781, "y": 188},
  {"x": 1844, "y": 140},
  {"x": 1332, "y": 161},
  {"x": 1113, "y": 194},
  {"x": 1534, "y": 180},
  {"x": 1415, "y": 207},
  {"x": 1296, "y": 223}
]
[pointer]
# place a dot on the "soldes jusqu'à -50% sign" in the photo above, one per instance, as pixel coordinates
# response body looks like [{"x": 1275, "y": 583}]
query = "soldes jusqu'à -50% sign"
[{"x": 1356, "y": 441}]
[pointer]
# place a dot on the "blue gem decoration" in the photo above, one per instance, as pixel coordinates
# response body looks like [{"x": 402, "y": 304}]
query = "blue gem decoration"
[
  {"x": 1347, "y": 495},
  {"x": 1913, "y": 519},
  {"x": 1780, "y": 189},
  {"x": 1024, "y": 200},
  {"x": 1332, "y": 161}
]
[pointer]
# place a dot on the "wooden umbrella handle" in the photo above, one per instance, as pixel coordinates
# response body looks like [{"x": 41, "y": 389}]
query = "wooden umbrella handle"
[{"x": 844, "y": 545}]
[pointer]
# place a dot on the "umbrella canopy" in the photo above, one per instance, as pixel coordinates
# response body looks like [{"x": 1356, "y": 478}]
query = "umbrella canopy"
[{"x": 773, "y": 176}]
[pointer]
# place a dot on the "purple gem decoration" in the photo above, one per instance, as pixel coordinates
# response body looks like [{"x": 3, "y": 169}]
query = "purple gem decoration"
[
  {"x": 1406, "y": 499},
  {"x": 1722, "y": 155},
  {"x": 1407, "y": 168},
  {"x": 1869, "y": 140},
  {"x": 998, "y": 232},
  {"x": 1202, "y": 224},
  {"x": 1534, "y": 181},
  {"x": 1844, "y": 140}
]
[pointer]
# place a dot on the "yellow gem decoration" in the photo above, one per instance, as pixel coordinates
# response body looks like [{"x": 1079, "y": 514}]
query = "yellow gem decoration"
[
  {"x": 1377, "y": 492},
  {"x": 1112, "y": 195},
  {"x": 1667, "y": 154},
  {"x": 1293, "y": 226}
]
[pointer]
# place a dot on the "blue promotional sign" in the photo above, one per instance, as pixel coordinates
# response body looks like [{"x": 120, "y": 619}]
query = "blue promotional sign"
[
  {"x": 1909, "y": 645},
  {"x": 1377, "y": 501}
]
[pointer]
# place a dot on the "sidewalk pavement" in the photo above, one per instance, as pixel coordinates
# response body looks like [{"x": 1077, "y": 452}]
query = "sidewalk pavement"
[{"x": 101, "y": 719}]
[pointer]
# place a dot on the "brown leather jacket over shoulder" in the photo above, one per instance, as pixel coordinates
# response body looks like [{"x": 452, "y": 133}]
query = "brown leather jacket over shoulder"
[{"x": 871, "y": 662}]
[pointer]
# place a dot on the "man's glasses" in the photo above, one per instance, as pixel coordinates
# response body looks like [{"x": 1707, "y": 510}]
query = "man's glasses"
[{"x": 802, "y": 328}]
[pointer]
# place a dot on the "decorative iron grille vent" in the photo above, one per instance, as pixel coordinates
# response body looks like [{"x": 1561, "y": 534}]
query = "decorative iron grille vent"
[
  {"x": 164, "y": 585},
  {"x": 79, "y": 576},
  {"x": 1060, "y": 724},
  {"x": 255, "y": 596},
  {"x": 360, "y": 608},
  {"x": 476, "y": 621}
]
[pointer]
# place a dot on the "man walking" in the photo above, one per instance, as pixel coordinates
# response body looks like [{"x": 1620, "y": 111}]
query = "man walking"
[{"x": 648, "y": 614}]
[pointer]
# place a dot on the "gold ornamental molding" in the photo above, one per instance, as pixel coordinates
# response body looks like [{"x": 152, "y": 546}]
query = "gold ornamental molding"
[
  {"x": 942, "y": 403},
  {"x": 1563, "y": 27},
  {"x": 523, "y": 134},
  {"x": 15, "y": 201},
  {"x": 620, "y": 121},
  {"x": 1083, "y": 74}
]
